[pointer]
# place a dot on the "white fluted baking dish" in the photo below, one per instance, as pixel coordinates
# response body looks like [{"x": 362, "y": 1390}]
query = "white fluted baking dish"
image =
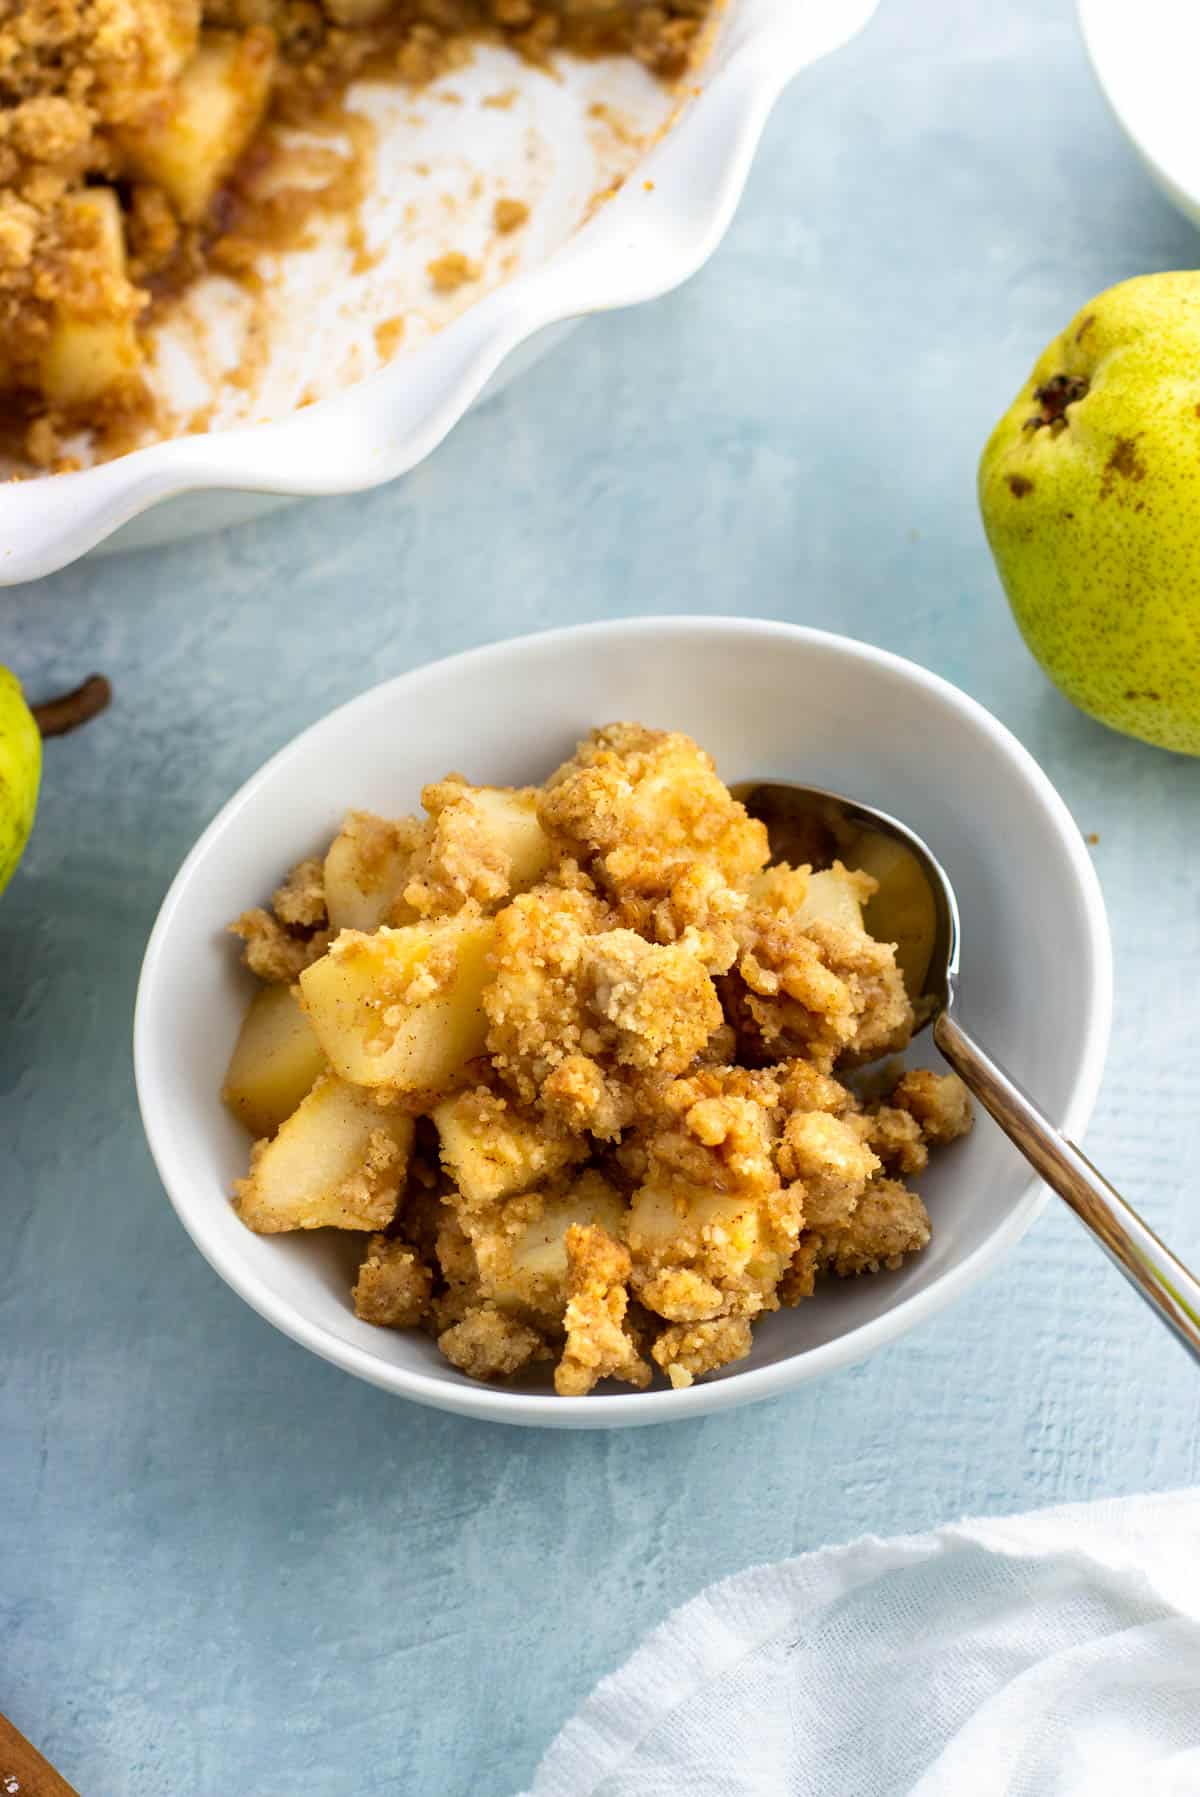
[
  {"x": 559, "y": 140},
  {"x": 1144, "y": 58}
]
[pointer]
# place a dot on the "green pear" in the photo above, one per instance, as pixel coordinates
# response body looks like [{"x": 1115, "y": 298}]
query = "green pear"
[
  {"x": 20, "y": 773},
  {"x": 1090, "y": 493}
]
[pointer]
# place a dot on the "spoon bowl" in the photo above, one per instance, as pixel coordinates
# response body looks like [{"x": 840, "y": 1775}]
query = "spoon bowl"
[{"x": 914, "y": 907}]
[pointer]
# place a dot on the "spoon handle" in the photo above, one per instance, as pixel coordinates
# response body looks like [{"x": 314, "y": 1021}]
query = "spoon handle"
[{"x": 1163, "y": 1281}]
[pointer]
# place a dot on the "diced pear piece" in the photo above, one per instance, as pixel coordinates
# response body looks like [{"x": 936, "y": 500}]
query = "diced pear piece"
[
  {"x": 372, "y": 859},
  {"x": 338, "y": 1162},
  {"x": 491, "y": 1149},
  {"x": 527, "y": 1272},
  {"x": 541, "y": 1249},
  {"x": 366, "y": 871},
  {"x": 835, "y": 896},
  {"x": 92, "y": 353},
  {"x": 509, "y": 820},
  {"x": 275, "y": 1061},
  {"x": 902, "y": 910},
  {"x": 190, "y": 143},
  {"x": 674, "y": 1222},
  {"x": 402, "y": 1007},
  {"x": 180, "y": 29}
]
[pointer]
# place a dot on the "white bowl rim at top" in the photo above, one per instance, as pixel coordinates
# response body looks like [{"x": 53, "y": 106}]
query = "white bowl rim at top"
[
  {"x": 517, "y": 1406},
  {"x": 1144, "y": 58}
]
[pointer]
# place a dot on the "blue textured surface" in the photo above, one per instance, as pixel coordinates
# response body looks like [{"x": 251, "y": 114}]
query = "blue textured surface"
[{"x": 226, "y": 1567}]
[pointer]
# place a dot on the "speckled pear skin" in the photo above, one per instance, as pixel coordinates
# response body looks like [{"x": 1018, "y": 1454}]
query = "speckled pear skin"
[
  {"x": 20, "y": 773},
  {"x": 1093, "y": 516}
]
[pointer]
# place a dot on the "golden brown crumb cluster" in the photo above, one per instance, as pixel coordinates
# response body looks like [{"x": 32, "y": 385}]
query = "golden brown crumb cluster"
[
  {"x": 622, "y": 1032},
  {"x": 131, "y": 132}
]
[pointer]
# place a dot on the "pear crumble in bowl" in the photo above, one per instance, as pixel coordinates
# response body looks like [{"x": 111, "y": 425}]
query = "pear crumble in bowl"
[
  {"x": 565, "y": 1060},
  {"x": 581, "y": 1087}
]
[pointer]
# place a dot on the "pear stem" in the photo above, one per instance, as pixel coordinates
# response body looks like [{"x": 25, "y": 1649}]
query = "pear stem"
[{"x": 56, "y": 717}]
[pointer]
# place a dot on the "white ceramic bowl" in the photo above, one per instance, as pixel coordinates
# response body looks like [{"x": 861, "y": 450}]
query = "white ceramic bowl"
[
  {"x": 766, "y": 699},
  {"x": 1145, "y": 58},
  {"x": 654, "y": 233}
]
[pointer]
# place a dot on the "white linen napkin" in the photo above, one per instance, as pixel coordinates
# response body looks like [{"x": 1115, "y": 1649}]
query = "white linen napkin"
[{"x": 1049, "y": 1655}]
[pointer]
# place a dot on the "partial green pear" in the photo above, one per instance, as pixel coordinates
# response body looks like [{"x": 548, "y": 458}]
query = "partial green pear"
[
  {"x": 1090, "y": 493},
  {"x": 20, "y": 773}
]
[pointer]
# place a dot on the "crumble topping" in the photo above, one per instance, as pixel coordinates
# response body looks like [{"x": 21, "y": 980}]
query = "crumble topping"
[{"x": 624, "y": 1033}]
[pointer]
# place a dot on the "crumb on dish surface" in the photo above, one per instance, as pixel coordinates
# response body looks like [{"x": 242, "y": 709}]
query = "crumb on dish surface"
[
  {"x": 509, "y": 215},
  {"x": 570, "y": 1058},
  {"x": 140, "y": 146},
  {"x": 452, "y": 270}
]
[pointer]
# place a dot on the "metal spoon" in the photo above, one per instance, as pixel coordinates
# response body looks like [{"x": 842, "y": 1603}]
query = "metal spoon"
[{"x": 915, "y": 907}]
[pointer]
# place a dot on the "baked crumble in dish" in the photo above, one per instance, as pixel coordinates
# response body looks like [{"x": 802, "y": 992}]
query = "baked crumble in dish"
[
  {"x": 570, "y": 1062},
  {"x": 140, "y": 147}
]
